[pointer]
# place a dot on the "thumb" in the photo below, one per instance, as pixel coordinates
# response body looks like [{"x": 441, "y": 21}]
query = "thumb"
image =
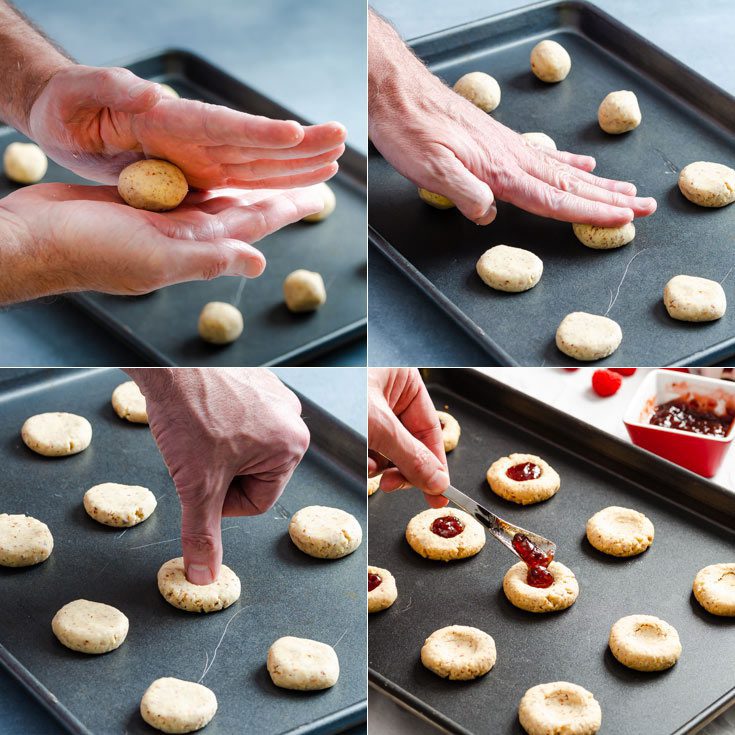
[
  {"x": 201, "y": 542},
  {"x": 116, "y": 88}
]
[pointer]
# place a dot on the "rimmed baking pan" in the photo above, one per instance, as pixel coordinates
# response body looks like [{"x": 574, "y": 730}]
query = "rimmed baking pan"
[{"x": 694, "y": 521}]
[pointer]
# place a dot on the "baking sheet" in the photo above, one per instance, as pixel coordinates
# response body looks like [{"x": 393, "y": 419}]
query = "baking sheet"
[
  {"x": 694, "y": 521},
  {"x": 685, "y": 119},
  {"x": 284, "y": 592},
  {"x": 162, "y": 326}
]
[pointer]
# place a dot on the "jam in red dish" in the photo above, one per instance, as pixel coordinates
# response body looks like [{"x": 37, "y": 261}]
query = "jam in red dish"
[
  {"x": 523, "y": 472},
  {"x": 536, "y": 560},
  {"x": 693, "y": 416},
  {"x": 447, "y": 527},
  {"x": 374, "y": 580}
]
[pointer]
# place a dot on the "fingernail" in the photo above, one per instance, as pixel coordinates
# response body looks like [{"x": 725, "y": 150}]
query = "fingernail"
[
  {"x": 438, "y": 482},
  {"x": 138, "y": 89},
  {"x": 199, "y": 574},
  {"x": 645, "y": 202}
]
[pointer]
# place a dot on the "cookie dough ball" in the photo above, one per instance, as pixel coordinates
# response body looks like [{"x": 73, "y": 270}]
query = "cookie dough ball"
[
  {"x": 604, "y": 238},
  {"x": 523, "y": 478},
  {"x": 459, "y": 652},
  {"x": 129, "y": 403},
  {"x": 708, "y": 184},
  {"x": 539, "y": 140},
  {"x": 90, "y": 627},
  {"x": 304, "y": 291},
  {"x": 57, "y": 434},
  {"x": 24, "y": 541},
  {"x": 303, "y": 664},
  {"x": 435, "y": 200},
  {"x": 330, "y": 204},
  {"x": 588, "y": 336},
  {"x": 550, "y": 61},
  {"x": 325, "y": 533},
  {"x": 694, "y": 299},
  {"x": 714, "y": 588},
  {"x": 154, "y": 185},
  {"x": 509, "y": 269},
  {"x": 560, "y": 595},
  {"x": 382, "y": 590},
  {"x": 445, "y": 534},
  {"x": 180, "y": 592},
  {"x": 168, "y": 90},
  {"x": 220, "y": 323},
  {"x": 645, "y": 643},
  {"x": 559, "y": 707},
  {"x": 373, "y": 484},
  {"x": 450, "y": 430},
  {"x": 24, "y": 163},
  {"x": 619, "y": 112},
  {"x": 480, "y": 89},
  {"x": 620, "y": 531},
  {"x": 177, "y": 706},
  {"x": 118, "y": 505}
]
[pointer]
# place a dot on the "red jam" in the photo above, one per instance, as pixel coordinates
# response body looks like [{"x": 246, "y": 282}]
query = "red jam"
[
  {"x": 447, "y": 527},
  {"x": 536, "y": 560},
  {"x": 374, "y": 580},
  {"x": 693, "y": 416},
  {"x": 523, "y": 472}
]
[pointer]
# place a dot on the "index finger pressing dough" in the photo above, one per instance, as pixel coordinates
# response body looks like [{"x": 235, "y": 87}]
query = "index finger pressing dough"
[
  {"x": 129, "y": 403},
  {"x": 177, "y": 706},
  {"x": 445, "y": 534},
  {"x": 559, "y": 707},
  {"x": 708, "y": 184},
  {"x": 694, "y": 299},
  {"x": 220, "y": 323},
  {"x": 24, "y": 541},
  {"x": 560, "y": 595},
  {"x": 450, "y": 430},
  {"x": 480, "y": 89},
  {"x": 619, "y": 112},
  {"x": 154, "y": 185},
  {"x": 645, "y": 643},
  {"x": 550, "y": 61},
  {"x": 325, "y": 533},
  {"x": 57, "y": 434},
  {"x": 588, "y": 337},
  {"x": 620, "y": 531},
  {"x": 300, "y": 663},
  {"x": 604, "y": 238},
  {"x": 459, "y": 652},
  {"x": 714, "y": 588},
  {"x": 90, "y": 627},
  {"x": 505, "y": 268},
  {"x": 122, "y": 506},
  {"x": 24, "y": 163},
  {"x": 330, "y": 204},
  {"x": 180, "y": 592}
]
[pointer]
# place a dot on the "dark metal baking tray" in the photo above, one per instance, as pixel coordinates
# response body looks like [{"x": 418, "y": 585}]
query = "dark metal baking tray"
[
  {"x": 685, "y": 118},
  {"x": 694, "y": 521},
  {"x": 285, "y": 592},
  {"x": 162, "y": 326}
]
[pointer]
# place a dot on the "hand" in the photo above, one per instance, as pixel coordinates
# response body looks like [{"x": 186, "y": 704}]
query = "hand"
[
  {"x": 60, "y": 238},
  {"x": 403, "y": 427},
  {"x": 95, "y": 121},
  {"x": 443, "y": 143},
  {"x": 231, "y": 439}
]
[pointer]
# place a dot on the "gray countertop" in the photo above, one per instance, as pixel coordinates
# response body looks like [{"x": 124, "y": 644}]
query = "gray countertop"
[{"x": 309, "y": 57}]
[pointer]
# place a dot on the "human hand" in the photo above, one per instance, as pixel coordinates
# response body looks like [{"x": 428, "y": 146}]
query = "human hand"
[
  {"x": 444, "y": 143},
  {"x": 59, "y": 238},
  {"x": 95, "y": 121},
  {"x": 231, "y": 439},
  {"x": 403, "y": 427}
]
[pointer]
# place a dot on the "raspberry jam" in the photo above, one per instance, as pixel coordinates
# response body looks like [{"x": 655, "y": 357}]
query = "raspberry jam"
[
  {"x": 536, "y": 560},
  {"x": 447, "y": 527},
  {"x": 692, "y": 415},
  {"x": 374, "y": 580},
  {"x": 525, "y": 471}
]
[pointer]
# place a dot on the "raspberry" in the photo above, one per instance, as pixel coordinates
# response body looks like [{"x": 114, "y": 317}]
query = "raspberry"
[
  {"x": 606, "y": 382},
  {"x": 571, "y": 370},
  {"x": 625, "y": 372}
]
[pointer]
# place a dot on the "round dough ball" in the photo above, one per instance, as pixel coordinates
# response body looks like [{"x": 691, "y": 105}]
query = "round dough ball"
[
  {"x": 714, "y": 588},
  {"x": 385, "y": 593},
  {"x": 645, "y": 643},
  {"x": 177, "y": 706},
  {"x": 539, "y": 140},
  {"x": 480, "y": 89},
  {"x": 373, "y": 484},
  {"x": 303, "y": 664},
  {"x": 90, "y": 627},
  {"x": 57, "y": 434},
  {"x": 304, "y": 291},
  {"x": 154, "y": 185},
  {"x": 24, "y": 163},
  {"x": 129, "y": 403},
  {"x": 550, "y": 61},
  {"x": 459, "y": 652},
  {"x": 619, "y": 112},
  {"x": 588, "y": 336},
  {"x": 220, "y": 323},
  {"x": 560, "y": 595},
  {"x": 559, "y": 707},
  {"x": 694, "y": 299},
  {"x": 180, "y": 592},
  {"x": 450, "y": 430},
  {"x": 424, "y": 541},
  {"x": 118, "y": 505},
  {"x": 325, "y": 533},
  {"x": 24, "y": 541},
  {"x": 505, "y": 268},
  {"x": 708, "y": 184},
  {"x": 330, "y": 203},
  {"x": 620, "y": 531},
  {"x": 523, "y": 491},
  {"x": 604, "y": 238},
  {"x": 168, "y": 90},
  {"x": 435, "y": 200}
]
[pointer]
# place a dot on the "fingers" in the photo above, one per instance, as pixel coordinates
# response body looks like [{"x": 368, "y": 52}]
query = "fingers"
[
  {"x": 201, "y": 542},
  {"x": 270, "y": 168},
  {"x": 288, "y": 182},
  {"x": 116, "y": 88},
  {"x": 251, "y": 496},
  {"x": 584, "y": 163},
  {"x": 623, "y": 187}
]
